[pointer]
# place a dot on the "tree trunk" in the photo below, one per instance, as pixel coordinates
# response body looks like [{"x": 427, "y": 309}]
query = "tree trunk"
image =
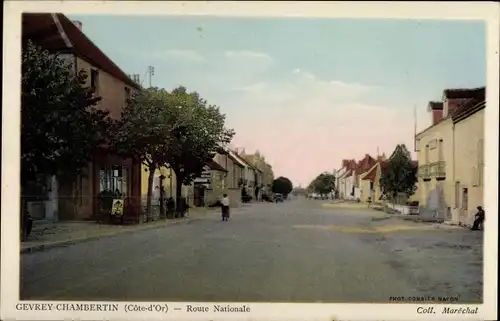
[
  {"x": 149, "y": 208},
  {"x": 178, "y": 195}
]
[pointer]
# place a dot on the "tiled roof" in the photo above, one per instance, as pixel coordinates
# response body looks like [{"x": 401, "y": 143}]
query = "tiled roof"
[
  {"x": 372, "y": 173},
  {"x": 435, "y": 105},
  {"x": 476, "y": 102},
  {"x": 365, "y": 164},
  {"x": 42, "y": 29},
  {"x": 215, "y": 166},
  {"x": 348, "y": 174},
  {"x": 237, "y": 160},
  {"x": 464, "y": 93}
]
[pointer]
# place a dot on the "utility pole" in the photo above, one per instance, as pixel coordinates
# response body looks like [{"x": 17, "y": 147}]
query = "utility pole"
[
  {"x": 414, "y": 128},
  {"x": 151, "y": 71}
]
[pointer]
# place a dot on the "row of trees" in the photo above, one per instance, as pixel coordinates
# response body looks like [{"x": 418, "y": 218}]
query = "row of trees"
[{"x": 61, "y": 129}]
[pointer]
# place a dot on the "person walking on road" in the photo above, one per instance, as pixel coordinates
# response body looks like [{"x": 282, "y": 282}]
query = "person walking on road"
[
  {"x": 225, "y": 207},
  {"x": 479, "y": 219}
]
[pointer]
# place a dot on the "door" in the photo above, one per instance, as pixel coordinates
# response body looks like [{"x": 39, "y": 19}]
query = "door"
[{"x": 465, "y": 205}]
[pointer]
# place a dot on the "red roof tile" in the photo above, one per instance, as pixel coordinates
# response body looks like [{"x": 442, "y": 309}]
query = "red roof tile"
[
  {"x": 365, "y": 164},
  {"x": 41, "y": 28},
  {"x": 372, "y": 173}
]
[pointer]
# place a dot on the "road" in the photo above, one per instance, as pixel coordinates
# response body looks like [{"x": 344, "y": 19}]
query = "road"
[{"x": 296, "y": 251}]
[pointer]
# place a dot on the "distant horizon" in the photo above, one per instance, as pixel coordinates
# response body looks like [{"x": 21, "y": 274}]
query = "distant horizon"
[{"x": 306, "y": 93}]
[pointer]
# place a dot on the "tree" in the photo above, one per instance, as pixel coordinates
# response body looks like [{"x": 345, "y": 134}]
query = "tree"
[
  {"x": 282, "y": 185},
  {"x": 197, "y": 140},
  {"x": 60, "y": 128},
  {"x": 400, "y": 175},
  {"x": 323, "y": 184},
  {"x": 146, "y": 130}
]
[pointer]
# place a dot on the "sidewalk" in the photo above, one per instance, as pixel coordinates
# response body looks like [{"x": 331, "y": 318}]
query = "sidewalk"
[{"x": 48, "y": 235}]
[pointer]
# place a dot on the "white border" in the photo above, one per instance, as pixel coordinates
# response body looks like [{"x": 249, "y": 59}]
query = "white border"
[{"x": 487, "y": 11}]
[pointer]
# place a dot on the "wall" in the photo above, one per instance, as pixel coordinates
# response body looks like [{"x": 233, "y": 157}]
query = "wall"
[
  {"x": 433, "y": 194},
  {"x": 217, "y": 187},
  {"x": 110, "y": 89},
  {"x": 339, "y": 183},
  {"x": 468, "y": 155},
  {"x": 351, "y": 182}
]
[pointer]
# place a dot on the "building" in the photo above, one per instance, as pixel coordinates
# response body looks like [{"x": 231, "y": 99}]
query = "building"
[
  {"x": 342, "y": 177},
  {"x": 468, "y": 159},
  {"x": 211, "y": 186},
  {"x": 264, "y": 173},
  {"x": 80, "y": 197},
  {"x": 439, "y": 190},
  {"x": 235, "y": 177},
  {"x": 362, "y": 168}
]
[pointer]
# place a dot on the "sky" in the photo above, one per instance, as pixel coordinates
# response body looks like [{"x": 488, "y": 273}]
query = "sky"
[{"x": 305, "y": 92}]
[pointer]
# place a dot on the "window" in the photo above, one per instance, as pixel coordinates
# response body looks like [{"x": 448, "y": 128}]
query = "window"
[
  {"x": 440, "y": 150},
  {"x": 113, "y": 179},
  {"x": 457, "y": 194},
  {"x": 94, "y": 80},
  {"x": 427, "y": 154},
  {"x": 465, "y": 199}
]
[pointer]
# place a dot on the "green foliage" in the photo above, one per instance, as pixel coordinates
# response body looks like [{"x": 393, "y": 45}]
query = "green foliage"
[
  {"x": 400, "y": 175},
  {"x": 323, "y": 184},
  {"x": 146, "y": 128},
  {"x": 282, "y": 185},
  {"x": 60, "y": 129},
  {"x": 201, "y": 132}
]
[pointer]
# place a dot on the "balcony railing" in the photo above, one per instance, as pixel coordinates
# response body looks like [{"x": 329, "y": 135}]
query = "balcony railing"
[
  {"x": 424, "y": 172},
  {"x": 438, "y": 169}
]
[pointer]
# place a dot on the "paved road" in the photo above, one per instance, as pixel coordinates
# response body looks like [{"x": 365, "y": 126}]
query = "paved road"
[{"x": 295, "y": 251}]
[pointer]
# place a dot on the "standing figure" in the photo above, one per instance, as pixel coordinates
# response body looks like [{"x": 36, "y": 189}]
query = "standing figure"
[
  {"x": 225, "y": 207},
  {"x": 479, "y": 218}
]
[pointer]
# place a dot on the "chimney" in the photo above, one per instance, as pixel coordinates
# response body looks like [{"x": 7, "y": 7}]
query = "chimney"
[
  {"x": 78, "y": 24},
  {"x": 437, "y": 116}
]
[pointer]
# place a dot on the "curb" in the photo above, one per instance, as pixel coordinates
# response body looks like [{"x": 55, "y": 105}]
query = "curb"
[{"x": 42, "y": 247}]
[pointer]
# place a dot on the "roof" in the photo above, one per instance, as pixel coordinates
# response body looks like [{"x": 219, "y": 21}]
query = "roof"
[
  {"x": 463, "y": 93},
  {"x": 56, "y": 33},
  {"x": 215, "y": 166},
  {"x": 365, "y": 164},
  {"x": 435, "y": 105},
  {"x": 222, "y": 151},
  {"x": 470, "y": 107},
  {"x": 372, "y": 173},
  {"x": 245, "y": 162},
  {"x": 237, "y": 160}
]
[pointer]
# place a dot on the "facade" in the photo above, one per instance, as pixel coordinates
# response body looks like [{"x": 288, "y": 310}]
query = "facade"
[
  {"x": 363, "y": 166},
  {"x": 343, "y": 180},
  {"x": 443, "y": 180},
  {"x": 236, "y": 172},
  {"x": 468, "y": 155},
  {"x": 264, "y": 174},
  {"x": 79, "y": 198}
]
